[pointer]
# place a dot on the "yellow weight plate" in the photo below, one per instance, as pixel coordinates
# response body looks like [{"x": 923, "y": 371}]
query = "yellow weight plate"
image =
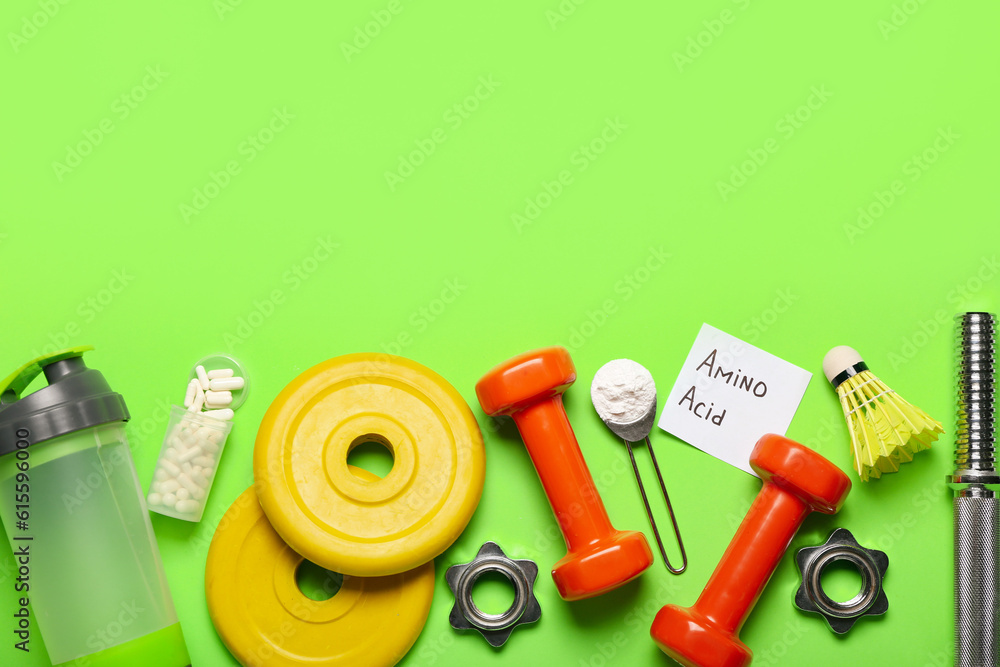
[
  {"x": 353, "y": 524},
  {"x": 264, "y": 619}
]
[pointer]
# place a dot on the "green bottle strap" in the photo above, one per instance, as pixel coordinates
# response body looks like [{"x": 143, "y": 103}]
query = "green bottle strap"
[{"x": 19, "y": 380}]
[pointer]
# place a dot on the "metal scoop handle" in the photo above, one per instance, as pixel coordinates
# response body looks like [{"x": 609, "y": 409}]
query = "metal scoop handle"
[{"x": 649, "y": 512}]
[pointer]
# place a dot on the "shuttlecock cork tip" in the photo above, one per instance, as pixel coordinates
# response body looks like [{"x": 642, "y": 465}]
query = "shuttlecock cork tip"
[{"x": 838, "y": 360}]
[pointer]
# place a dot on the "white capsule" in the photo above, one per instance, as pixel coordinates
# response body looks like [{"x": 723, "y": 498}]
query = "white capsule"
[
  {"x": 218, "y": 399},
  {"x": 189, "y": 484},
  {"x": 207, "y": 472},
  {"x": 190, "y": 454},
  {"x": 226, "y": 384},
  {"x": 197, "y": 473},
  {"x": 157, "y": 487},
  {"x": 182, "y": 494},
  {"x": 199, "y": 401},
  {"x": 170, "y": 467},
  {"x": 187, "y": 467},
  {"x": 224, "y": 415},
  {"x": 169, "y": 486},
  {"x": 169, "y": 500},
  {"x": 216, "y": 437},
  {"x": 154, "y": 499},
  {"x": 204, "y": 461},
  {"x": 188, "y": 506},
  {"x": 209, "y": 447},
  {"x": 220, "y": 374},
  {"x": 199, "y": 370},
  {"x": 170, "y": 454},
  {"x": 160, "y": 475},
  {"x": 192, "y": 389}
]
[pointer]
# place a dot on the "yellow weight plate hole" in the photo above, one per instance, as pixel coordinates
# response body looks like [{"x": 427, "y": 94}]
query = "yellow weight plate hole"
[
  {"x": 371, "y": 452},
  {"x": 493, "y": 592},
  {"x": 317, "y": 583}
]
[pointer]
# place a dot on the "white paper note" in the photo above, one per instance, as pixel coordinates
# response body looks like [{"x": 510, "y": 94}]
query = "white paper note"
[{"x": 730, "y": 393}]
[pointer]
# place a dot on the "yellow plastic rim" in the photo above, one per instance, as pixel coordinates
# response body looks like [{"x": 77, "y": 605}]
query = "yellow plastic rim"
[
  {"x": 264, "y": 619},
  {"x": 355, "y": 524}
]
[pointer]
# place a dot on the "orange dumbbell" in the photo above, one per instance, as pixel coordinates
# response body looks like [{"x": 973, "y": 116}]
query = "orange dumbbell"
[
  {"x": 529, "y": 388},
  {"x": 797, "y": 481}
]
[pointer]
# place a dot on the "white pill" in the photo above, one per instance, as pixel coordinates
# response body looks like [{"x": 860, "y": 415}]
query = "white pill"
[
  {"x": 169, "y": 486},
  {"x": 226, "y": 384},
  {"x": 183, "y": 494},
  {"x": 204, "y": 461},
  {"x": 218, "y": 399},
  {"x": 188, "y": 506},
  {"x": 198, "y": 473},
  {"x": 216, "y": 437},
  {"x": 187, "y": 467},
  {"x": 157, "y": 487},
  {"x": 199, "y": 370},
  {"x": 188, "y": 484},
  {"x": 192, "y": 453},
  {"x": 207, "y": 472},
  {"x": 192, "y": 389},
  {"x": 209, "y": 447},
  {"x": 169, "y": 500},
  {"x": 171, "y": 454},
  {"x": 224, "y": 415},
  {"x": 170, "y": 467},
  {"x": 199, "y": 401},
  {"x": 154, "y": 499},
  {"x": 160, "y": 475},
  {"x": 220, "y": 373}
]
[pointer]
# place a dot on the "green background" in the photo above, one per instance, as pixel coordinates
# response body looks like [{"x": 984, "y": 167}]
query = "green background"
[{"x": 98, "y": 248}]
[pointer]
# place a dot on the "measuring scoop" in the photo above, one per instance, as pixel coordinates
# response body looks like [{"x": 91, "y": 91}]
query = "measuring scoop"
[{"x": 624, "y": 395}]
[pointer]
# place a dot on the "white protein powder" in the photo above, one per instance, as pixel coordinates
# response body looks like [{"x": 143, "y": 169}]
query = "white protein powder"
[{"x": 622, "y": 391}]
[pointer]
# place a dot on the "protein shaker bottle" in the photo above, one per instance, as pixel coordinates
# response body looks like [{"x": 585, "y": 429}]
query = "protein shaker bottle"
[{"x": 73, "y": 510}]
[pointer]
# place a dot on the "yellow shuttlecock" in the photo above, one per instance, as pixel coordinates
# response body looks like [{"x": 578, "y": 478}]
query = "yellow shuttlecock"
[{"x": 885, "y": 430}]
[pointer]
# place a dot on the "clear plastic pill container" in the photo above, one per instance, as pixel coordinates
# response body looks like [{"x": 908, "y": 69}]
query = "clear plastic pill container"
[{"x": 189, "y": 460}]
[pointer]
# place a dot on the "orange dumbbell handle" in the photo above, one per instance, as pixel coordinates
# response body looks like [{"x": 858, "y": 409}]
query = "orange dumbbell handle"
[
  {"x": 752, "y": 556},
  {"x": 553, "y": 449}
]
